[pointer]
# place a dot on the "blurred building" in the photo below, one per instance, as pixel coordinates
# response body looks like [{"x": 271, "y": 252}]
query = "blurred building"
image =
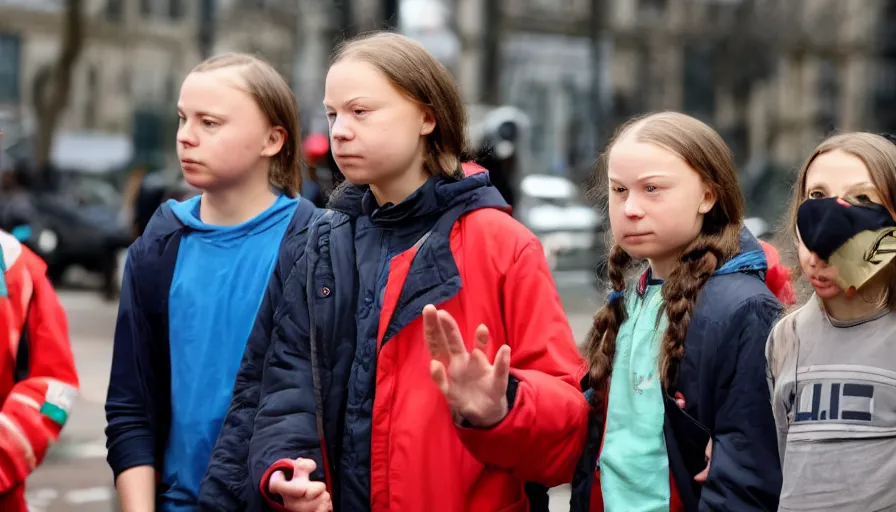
[
  {"x": 136, "y": 54},
  {"x": 773, "y": 76}
]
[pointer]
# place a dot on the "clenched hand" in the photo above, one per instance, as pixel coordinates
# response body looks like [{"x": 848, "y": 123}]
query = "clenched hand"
[{"x": 299, "y": 493}]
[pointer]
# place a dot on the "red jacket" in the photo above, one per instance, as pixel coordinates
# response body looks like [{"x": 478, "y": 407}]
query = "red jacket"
[
  {"x": 543, "y": 435},
  {"x": 35, "y": 408},
  {"x": 508, "y": 287},
  {"x": 421, "y": 461}
]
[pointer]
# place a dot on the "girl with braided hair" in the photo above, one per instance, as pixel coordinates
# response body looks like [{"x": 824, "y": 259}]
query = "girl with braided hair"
[{"x": 681, "y": 418}]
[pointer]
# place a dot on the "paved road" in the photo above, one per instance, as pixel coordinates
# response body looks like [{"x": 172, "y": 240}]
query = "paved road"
[{"x": 75, "y": 477}]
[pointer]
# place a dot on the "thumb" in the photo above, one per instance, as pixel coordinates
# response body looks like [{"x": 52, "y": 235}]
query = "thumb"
[
  {"x": 302, "y": 469},
  {"x": 482, "y": 337},
  {"x": 502, "y": 364},
  {"x": 277, "y": 483}
]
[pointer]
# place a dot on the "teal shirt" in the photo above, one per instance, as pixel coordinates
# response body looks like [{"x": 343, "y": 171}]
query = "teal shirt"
[{"x": 634, "y": 465}]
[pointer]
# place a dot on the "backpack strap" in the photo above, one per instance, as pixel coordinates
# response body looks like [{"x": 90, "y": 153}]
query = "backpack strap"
[
  {"x": 448, "y": 219},
  {"x": 23, "y": 355},
  {"x": 445, "y": 222}
]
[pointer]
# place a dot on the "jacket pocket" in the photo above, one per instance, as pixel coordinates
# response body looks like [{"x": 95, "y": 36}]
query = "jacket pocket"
[{"x": 691, "y": 437}]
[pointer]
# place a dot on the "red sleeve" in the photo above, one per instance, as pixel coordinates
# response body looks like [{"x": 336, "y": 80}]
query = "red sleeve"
[
  {"x": 36, "y": 409},
  {"x": 284, "y": 465},
  {"x": 543, "y": 436}
]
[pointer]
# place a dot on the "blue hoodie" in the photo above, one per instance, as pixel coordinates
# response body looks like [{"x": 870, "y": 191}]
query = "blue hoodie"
[
  {"x": 138, "y": 405},
  {"x": 219, "y": 280}
]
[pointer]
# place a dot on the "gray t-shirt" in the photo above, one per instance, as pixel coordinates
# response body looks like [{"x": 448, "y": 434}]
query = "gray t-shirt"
[{"x": 834, "y": 400}]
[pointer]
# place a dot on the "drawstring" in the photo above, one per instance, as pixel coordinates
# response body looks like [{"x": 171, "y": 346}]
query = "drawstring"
[{"x": 3, "y": 291}]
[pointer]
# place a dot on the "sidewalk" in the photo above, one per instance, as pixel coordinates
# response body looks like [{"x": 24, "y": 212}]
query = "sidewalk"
[{"x": 91, "y": 326}]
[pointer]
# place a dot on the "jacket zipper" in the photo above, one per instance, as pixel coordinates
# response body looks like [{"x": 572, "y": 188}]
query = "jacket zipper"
[{"x": 316, "y": 380}]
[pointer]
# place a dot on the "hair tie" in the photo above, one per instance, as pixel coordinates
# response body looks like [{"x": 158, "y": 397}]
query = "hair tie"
[{"x": 615, "y": 295}]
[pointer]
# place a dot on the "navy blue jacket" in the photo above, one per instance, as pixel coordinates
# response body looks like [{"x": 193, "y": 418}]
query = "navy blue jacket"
[
  {"x": 722, "y": 378},
  {"x": 305, "y": 338},
  {"x": 138, "y": 403}
]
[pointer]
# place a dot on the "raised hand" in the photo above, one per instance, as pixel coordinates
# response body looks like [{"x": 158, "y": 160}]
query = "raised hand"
[
  {"x": 475, "y": 389},
  {"x": 299, "y": 493}
]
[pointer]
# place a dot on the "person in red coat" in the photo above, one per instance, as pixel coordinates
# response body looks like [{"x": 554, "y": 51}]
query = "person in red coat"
[
  {"x": 352, "y": 396},
  {"x": 38, "y": 383}
]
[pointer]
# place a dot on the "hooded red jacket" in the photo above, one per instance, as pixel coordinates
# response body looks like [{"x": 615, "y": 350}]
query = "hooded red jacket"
[
  {"x": 420, "y": 459},
  {"x": 34, "y": 408},
  {"x": 778, "y": 276}
]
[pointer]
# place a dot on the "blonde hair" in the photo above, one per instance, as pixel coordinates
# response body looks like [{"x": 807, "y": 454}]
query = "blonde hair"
[
  {"x": 278, "y": 103},
  {"x": 706, "y": 153},
  {"x": 879, "y": 156},
  {"x": 417, "y": 74}
]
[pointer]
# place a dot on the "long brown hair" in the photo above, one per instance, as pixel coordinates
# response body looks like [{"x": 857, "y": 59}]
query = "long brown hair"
[
  {"x": 708, "y": 155},
  {"x": 879, "y": 156},
  {"x": 422, "y": 78},
  {"x": 277, "y": 102}
]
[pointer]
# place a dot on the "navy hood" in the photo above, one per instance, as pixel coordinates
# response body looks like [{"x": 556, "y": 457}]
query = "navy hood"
[
  {"x": 750, "y": 260},
  {"x": 437, "y": 195}
]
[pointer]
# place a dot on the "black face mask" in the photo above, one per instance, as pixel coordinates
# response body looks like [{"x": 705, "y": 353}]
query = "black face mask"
[{"x": 826, "y": 224}]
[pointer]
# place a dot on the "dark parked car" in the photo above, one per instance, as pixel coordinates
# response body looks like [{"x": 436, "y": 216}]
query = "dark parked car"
[{"x": 79, "y": 203}]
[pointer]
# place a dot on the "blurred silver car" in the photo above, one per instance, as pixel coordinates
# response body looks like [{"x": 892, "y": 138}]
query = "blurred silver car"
[{"x": 554, "y": 208}]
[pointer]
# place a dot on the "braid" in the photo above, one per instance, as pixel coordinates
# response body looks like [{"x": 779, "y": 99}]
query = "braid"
[
  {"x": 601, "y": 341},
  {"x": 680, "y": 290}
]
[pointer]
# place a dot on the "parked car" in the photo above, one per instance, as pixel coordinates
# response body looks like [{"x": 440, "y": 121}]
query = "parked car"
[
  {"x": 81, "y": 207},
  {"x": 554, "y": 208}
]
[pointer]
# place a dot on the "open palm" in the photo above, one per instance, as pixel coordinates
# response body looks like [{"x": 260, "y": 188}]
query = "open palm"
[{"x": 475, "y": 388}]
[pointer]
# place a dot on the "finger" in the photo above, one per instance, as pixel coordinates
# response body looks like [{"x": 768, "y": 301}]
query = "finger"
[
  {"x": 325, "y": 504},
  {"x": 502, "y": 364},
  {"x": 277, "y": 483},
  {"x": 702, "y": 476},
  {"x": 432, "y": 333},
  {"x": 679, "y": 400},
  {"x": 478, "y": 359},
  {"x": 453, "y": 338},
  {"x": 482, "y": 337},
  {"x": 302, "y": 469},
  {"x": 439, "y": 376},
  {"x": 315, "y": 490}
]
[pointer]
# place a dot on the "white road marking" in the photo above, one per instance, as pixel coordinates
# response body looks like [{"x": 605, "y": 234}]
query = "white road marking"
[
  {"x": 80, "y": 450},
  {"x": 39, "y": 499},
  {"x": 88, "y": 495}
]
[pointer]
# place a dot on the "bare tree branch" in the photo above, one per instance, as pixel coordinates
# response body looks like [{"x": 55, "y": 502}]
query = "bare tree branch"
[{"x": 52, "y": 87}]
